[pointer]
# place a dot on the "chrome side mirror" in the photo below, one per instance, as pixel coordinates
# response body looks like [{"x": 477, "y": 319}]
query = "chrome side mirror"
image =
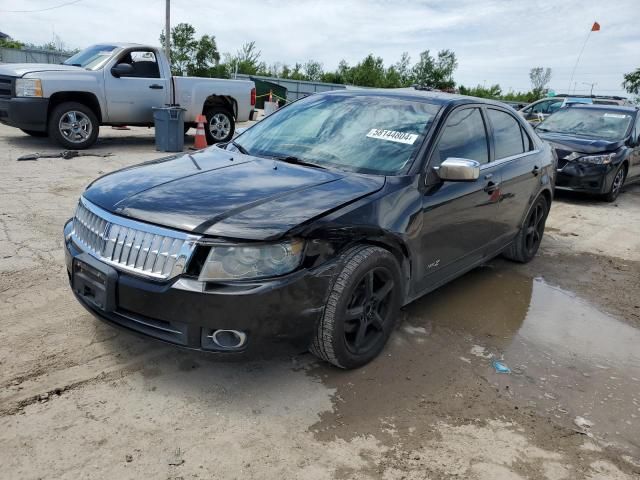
[{"x": 459, "y": 170}]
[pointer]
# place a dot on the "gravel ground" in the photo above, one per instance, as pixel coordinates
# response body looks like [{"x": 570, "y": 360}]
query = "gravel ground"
[{"x": 79, "y": 399}]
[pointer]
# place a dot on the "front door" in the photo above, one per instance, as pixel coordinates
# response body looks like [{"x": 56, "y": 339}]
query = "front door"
[
  {"x": 130, "y": 98},
  {"x": 458, "y": 218}
]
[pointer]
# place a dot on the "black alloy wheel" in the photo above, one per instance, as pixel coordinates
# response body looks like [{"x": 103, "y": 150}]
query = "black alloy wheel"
[
  {"x": 368, "y": 311},
  {"x": 362, "y": 307}
]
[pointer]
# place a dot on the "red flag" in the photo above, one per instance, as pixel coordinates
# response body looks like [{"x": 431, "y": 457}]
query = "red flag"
[{"x": 595, "y": 27}]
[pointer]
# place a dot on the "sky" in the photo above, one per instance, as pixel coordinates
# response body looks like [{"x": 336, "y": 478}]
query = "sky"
[{"x": 496, "y": 41}]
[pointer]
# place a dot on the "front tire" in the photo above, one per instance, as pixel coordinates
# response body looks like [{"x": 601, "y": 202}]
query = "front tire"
[
  {"x": 526, "y": 244},
  {"x": 361, "y": 310},
  {"x": 73, "y": 125},
  {"x": 220, "y": 125},
  {"x": 35, "y": 133},
  {"x": 616, "y": 184}
]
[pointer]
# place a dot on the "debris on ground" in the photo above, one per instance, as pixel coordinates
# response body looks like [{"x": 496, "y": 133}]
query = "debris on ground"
[
  {"x": 584, "y": 425},
  {"x": 501, "y": 367},
  {"x": 66, "y": 154}
]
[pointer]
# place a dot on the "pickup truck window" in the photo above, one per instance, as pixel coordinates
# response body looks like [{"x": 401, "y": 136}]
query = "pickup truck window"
[
  {"x": 362, "y": 133},
  {"x": 144, "y": 63},
  {"x": 91, "y": 58}
]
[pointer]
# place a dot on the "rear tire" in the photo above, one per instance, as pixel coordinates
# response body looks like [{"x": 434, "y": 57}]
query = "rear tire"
[
  {"x": 220, "y": 125},
  {"x": 616, "y": 185},
  {"x": 361, "y": 310},
  {"x": 526, "y": 244},
  {"x": 35, "y": 133},
  {"x": 73, "y": 125}
]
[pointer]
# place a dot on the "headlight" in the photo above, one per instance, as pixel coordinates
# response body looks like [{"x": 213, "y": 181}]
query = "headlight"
[
  {"x": 28, "y": 87},
  {"x": 233, "y": 262},
  {"x": 597, "y": 159}
]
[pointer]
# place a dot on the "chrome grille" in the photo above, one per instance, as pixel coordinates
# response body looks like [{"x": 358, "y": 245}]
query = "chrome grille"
[{"x": 130, "y": 245}]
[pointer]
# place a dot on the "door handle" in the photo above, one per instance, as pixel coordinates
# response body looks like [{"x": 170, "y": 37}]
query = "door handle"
[
  {"x": 155, "y": 86},
  {"x": 535, "y": 171}
]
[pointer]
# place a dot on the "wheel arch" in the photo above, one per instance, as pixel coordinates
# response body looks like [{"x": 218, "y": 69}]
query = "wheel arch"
[
  {"x": 86, "y": 98},
  {"x": 396, "y": 247},
  {"x": 226, "y": 102}
]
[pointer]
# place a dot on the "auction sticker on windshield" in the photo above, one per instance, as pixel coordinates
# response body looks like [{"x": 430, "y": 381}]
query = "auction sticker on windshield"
[{"x": 392, "y": 136}]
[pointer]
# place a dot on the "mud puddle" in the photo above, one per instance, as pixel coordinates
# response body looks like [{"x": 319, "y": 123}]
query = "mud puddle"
[{"x": 568, "y": 360}]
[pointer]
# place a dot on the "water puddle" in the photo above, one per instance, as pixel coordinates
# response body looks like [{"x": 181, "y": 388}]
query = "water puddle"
[{"x": 567, "y": 359}]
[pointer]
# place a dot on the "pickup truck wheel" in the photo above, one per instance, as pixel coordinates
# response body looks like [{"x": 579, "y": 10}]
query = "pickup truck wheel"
[
  {"x": 73, "y": 125},
  {"x": 220, "y": 125},
  {"x": 361, "y": 310},
  {"x": 527, "y": 242},
  {"x": 35, "y": 133}
]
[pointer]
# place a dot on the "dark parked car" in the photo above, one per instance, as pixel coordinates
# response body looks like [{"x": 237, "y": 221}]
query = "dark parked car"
[
  {"x": 313, "y": 227},
  {"x": 598, "y": 147}
]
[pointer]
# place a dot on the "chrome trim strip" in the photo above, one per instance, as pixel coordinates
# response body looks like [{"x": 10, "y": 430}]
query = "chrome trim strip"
[
  {"x": 508, "y": 159},
  {"x": 128, "y": 230}
]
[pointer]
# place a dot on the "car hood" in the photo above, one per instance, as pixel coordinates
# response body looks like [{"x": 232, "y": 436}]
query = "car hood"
[
  {"x": 580, "y": 144},
  {"x": 219, "y": 193},
  {"x": 20, "y": 69}
]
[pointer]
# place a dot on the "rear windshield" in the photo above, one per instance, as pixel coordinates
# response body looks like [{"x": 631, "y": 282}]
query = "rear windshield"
[
  {"x": 361, "y": 133},
  {"x": 91, "y": 58},
  {"x": 587, "y": 122}
]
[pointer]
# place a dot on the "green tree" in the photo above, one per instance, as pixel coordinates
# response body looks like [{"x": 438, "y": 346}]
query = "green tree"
[
  {"x": 204, "y": 58},
  {"x": 540, "y": 78},
  {"x": 8, "y": 43},
  {"x": 313, "y": 71},
  {"x": 183, "y": 45},
  {"x": 494, "y": 91},
  {"x": 436, "y": 72},
  {"x": 246, "y": 60},
  {"x": 370, "y": 72},
  {"x": 632, "y": 82},
  {"x": 403, "y": 68}
]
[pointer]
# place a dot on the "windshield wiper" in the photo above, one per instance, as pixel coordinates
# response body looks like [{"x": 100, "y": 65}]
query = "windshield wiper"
[
  {"x": 297, "y": 161},
  {"x": 240, "y": 148}
]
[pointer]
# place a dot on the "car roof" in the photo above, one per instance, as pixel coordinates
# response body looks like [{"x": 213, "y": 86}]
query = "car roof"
[
  {"x": 411, "y": 93},
  {"x": 615, "y": 108}
]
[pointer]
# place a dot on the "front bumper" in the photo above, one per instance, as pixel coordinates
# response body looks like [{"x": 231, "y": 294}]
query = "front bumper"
[
  {"x": 584, "y": 177},
  {"x": 26, "y": 113},
  {"x": 277, "y": 315}
]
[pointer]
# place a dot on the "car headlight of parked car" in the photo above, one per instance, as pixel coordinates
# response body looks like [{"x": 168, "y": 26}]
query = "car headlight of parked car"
[
  {"x": 28, "y": 87},
  {"x": 235, "y": 262},
  {"x": 603, "y": 159}
]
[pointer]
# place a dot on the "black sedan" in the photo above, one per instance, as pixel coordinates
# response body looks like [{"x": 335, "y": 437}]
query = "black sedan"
[
  {"x": 598, "y": 147},
  {"x": 313, "y": 227}
]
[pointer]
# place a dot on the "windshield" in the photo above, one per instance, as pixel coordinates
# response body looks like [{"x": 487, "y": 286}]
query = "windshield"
[
  {"x": 361, "y": 133},
  {"x": 587, "y": 122},
  {"x": 91, "y": 58}
]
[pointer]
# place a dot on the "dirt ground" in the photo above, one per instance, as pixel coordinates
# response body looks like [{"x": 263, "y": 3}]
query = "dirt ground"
[{"x": 79, "y": 399}]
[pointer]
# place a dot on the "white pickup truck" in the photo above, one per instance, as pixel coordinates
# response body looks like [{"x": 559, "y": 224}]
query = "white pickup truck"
[{"x": 115, "y": 84}]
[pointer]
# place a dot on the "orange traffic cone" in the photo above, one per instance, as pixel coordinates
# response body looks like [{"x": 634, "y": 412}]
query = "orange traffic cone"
[{"x": 201, "y": 139}]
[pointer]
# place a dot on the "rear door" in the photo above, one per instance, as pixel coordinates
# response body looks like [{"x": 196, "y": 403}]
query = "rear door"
[
  {"x": 458, "y": 218},
  {"x": 130, "y": 99},
  {"x": 518, "y": 164}
]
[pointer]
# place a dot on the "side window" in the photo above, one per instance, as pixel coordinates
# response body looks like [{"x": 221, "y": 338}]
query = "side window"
[
  {"x": 144, "y": 63},
  {"x": 554, "y": 107},
  {"x": 464, "y": 136},
  {"x": 507, "y": 134},
  {"x": 542, "y": 107}
]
